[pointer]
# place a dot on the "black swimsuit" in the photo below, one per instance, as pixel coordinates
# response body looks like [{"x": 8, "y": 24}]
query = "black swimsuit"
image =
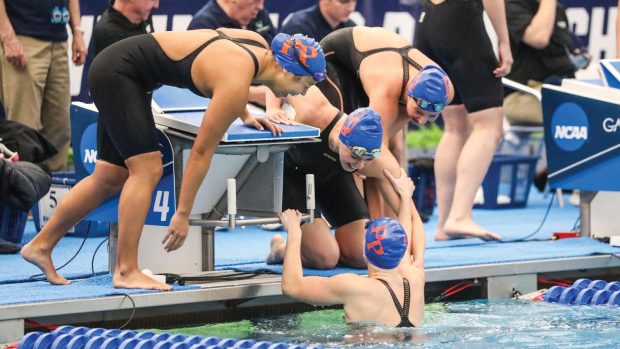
[
  {"x": 121, "y": 79},
  {"x": 343, "y": 64},
  {"x": 337, "y": 196},
  {"x": 452, "y": 34},
  {"x": 403, "y": 310}
]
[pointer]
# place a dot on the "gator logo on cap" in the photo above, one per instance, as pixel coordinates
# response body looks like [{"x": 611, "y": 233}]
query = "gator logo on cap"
[
  {"x": 305, "y": 52},
  {"x": 349, "y": 124},
  {"x": 376, "y": 245}
]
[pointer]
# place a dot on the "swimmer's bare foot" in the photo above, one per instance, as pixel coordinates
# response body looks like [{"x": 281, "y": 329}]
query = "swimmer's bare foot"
[
  {"x": 136, "y": 279},
  {"x": 466, "y": 229},
  {"x": 440, "y": 235},
  {"x": 42, "y": 259},
  {"x": 276, "y": 250}
]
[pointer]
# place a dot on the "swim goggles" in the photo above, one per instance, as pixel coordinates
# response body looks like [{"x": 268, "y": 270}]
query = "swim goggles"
[
  {"x": 428, "y": 106},
  {"x": 363, "y": 153}
]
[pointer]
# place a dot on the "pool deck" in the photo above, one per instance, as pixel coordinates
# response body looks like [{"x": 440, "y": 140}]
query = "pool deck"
[{"x": 501, "y": 278}]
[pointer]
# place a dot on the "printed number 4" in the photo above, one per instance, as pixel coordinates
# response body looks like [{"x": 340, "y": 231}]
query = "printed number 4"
[{"x": 161, "y": 204}]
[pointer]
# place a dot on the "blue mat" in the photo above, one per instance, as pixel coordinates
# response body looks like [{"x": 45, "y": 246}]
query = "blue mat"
[
  {"x": 15, "y": 269},
  {"x": 487, "y": 253},
  {"x": 99, "y": 286}
]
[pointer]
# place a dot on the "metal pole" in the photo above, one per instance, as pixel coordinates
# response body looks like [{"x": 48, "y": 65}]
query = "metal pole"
[{"x": 310, "y": 196}]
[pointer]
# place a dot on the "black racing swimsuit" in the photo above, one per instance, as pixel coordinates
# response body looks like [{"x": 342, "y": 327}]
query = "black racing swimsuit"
[
  {"x": 403, "y": 310},
  {"x": 453, "y": 34},
  {"x": 337, "y": 196},
  {"x": 121, "y": 79},
  {"x": 343, "y": 64}
]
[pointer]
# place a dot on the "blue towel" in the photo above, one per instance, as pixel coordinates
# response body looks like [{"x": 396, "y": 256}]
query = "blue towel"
[
  {"x": 487, "y": 253},
  {"x": 99, "y": 286}
]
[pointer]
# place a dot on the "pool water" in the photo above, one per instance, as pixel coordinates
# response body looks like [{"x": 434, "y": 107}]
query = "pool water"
[{"x": 472, "y": 324}]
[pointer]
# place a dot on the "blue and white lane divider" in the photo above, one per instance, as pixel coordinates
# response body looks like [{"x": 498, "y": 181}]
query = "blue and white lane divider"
[
  {"x": 70, "y": 337},
  {"x": 586, "y": 292}
]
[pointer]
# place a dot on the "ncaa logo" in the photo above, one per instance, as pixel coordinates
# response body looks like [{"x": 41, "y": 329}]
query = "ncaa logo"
[
  {"x": 88, "y": 147},
  {"x": 569, "y": 126}
]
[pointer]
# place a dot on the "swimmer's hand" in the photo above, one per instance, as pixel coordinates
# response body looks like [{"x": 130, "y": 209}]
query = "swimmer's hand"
[
  {"x": 290, "y": 219},
  {"x": 177, "y": 232},
  {"x": 505, "y": 60},
  {"x": 403, "y": 185},
  {"x": 279, "y": 116},
  {"x": 262, "y": 123}
]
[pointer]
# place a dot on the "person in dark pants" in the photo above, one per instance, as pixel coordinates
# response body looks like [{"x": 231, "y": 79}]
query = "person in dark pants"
[
  {"x": 240, "y": 14},
  {"x": 123, "y": 19},
  {"x": 34, "y": 67},
  {"x": 219, "y": 65},
  {"x": 542, "y": 45},
  {"x": 321, "y": 19}
]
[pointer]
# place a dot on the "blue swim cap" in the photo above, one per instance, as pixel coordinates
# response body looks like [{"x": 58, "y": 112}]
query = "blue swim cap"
[
  {"x": 362, "y": 128},
  {"x": 431, "y": 85},
  {"x": 300, "y": 55},
  {"x": 386, "y": 242}
]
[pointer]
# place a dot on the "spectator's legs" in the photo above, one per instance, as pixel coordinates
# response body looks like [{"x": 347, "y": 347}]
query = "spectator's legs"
[
  {"x": 22, "y": 90},
  {"x": 87, "y": 195},
  {"x": 456, "y": 131},
  {"x": 55, "y": 108},
  {"x": 473, "y": 163}
]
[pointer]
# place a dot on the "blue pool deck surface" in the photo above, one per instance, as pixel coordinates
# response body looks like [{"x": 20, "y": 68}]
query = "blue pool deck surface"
[{"x": 244, "y": 249}]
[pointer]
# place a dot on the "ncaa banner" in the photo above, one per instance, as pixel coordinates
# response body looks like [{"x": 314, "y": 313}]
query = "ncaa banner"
[
  {"x": 582, "y": 138},
  {"x": 592, "y": 21}
]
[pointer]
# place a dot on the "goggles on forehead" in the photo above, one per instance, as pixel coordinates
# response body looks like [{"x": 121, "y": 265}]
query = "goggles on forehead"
[
  {"x": 363, "y": 153},
  {"x": 318, "y": 77},
  {"x": 428, "y": 106}
]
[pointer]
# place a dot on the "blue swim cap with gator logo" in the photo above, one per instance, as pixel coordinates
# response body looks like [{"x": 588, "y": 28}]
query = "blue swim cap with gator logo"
[
  {"x": 300, "y": 55},
  {"x": 431, "y": 85},
  {"x": 385, "y": 242},
  {"x": 362, "y": 128}
]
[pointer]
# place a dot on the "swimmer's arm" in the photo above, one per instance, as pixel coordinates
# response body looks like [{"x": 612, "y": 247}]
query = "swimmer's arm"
[
  {"x": 375, "y": 170},
  {"x": 311, "y": 289},
  {"x": 312, "y": 107},
  {"x": 222, "y": 111},
  {"x": 386, "y": 104}
]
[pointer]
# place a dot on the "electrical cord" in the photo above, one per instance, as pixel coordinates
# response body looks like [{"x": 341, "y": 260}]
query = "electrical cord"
[
  {"x": 454, "y": 289},
  {"x": 577, "y": 223},
  {"x": 522, "y": 239},
  {"x": 133, "y": 310},
  {"x": 181, "y": 280},
  {"x": 92, "y": 262},
  {"x": 544, "y": 219}
]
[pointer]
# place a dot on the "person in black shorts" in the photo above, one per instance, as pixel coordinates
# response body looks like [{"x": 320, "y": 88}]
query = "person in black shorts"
[
  {"x": 393, "y": 292},
  {"x": 473, "y": 123},
  {"x": 378, "y": 68},
  {"x": 217, "y": 64}
]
